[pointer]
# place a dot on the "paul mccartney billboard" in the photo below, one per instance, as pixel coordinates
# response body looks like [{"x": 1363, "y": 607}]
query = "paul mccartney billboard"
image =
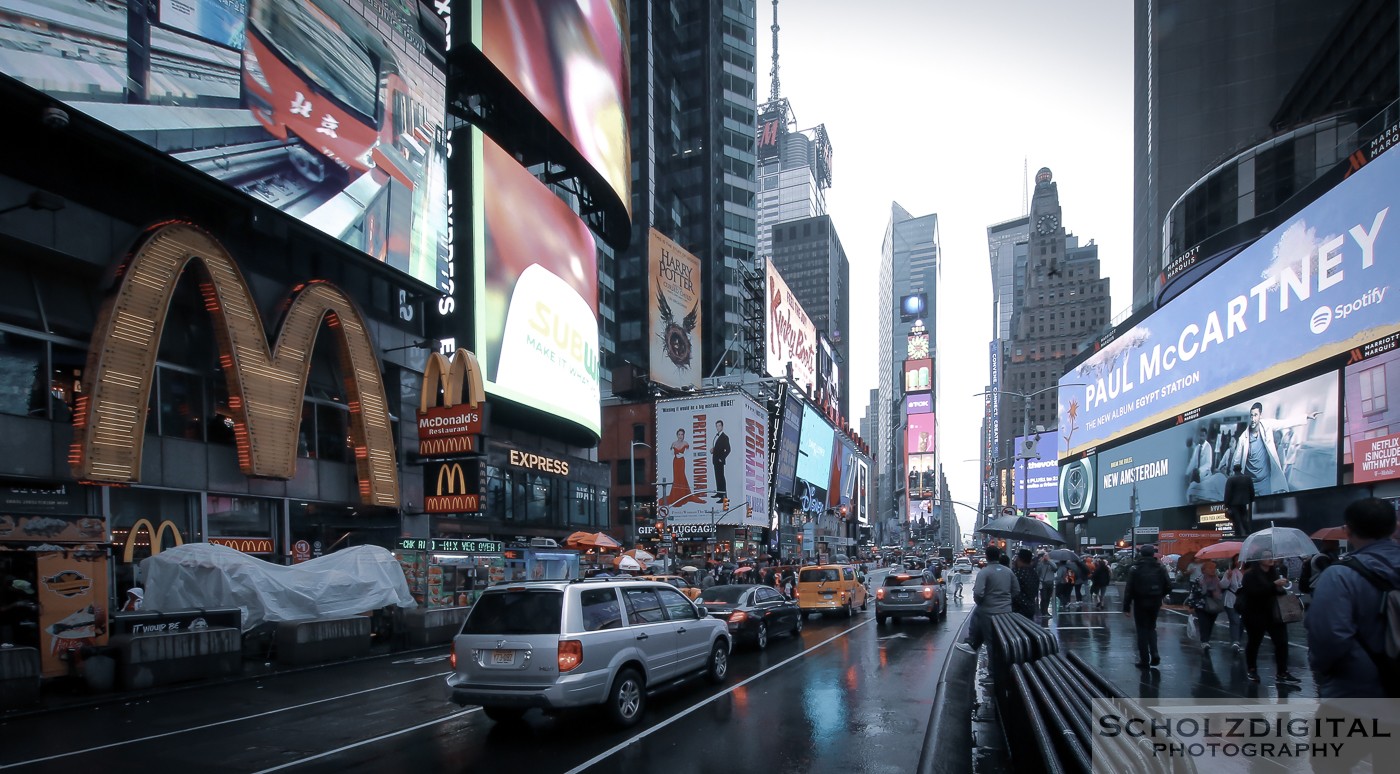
[{"x": 1314, "y": 287}]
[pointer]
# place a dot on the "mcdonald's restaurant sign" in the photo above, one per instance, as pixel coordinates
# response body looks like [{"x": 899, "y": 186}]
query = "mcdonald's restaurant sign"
[
  {"x": 453, "y": 487},
  {"x": 248, "y": 545},
  {"x": 266, "y": 384},
  {"x": 155, "y": 534},
  {"x": 452, "y": 429}
]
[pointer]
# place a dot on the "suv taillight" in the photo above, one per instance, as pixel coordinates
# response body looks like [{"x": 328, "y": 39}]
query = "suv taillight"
[
  {"x": 928, "y": 592},
  {"x": 452, "y": 658},
  {"x": 738, "y": 616},
  {"x": 570, "y": 654},
  {"x": 880, "y": 593}
]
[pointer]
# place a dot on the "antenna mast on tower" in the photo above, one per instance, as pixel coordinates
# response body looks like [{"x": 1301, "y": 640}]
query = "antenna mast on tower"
[
  {"x": 1025, "y": 186},
  {"x": 773, "y": 73}
]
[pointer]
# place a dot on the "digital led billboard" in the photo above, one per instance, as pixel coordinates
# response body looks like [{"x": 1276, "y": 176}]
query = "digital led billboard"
[
  {"x": 332, "y": 111},
  {"x": 922, "y": 475},
  {"x": 792, "y": 337},
  {"x": 814, "y": 452},
  {"x": 1312, "y": 288},
  {"x": 918, "y": 403},
  {"x": 1285, "y": 440},
  {"x": 570, "y": 59},
  {"x": 913, "y": 307},
  {"x": 918, "y": 375},
  {"x": 920, "y": 438},
  {"x": 1372, "y": 443},
  {"x": 1077, "y": 487},
  {"x": 717, "y": 450},
  {"x": 537, "y": 293},
  {"x": 673, "y": 291},
  {"x": 1044, "y": 475},
  {"x": 785, "y": 479}
]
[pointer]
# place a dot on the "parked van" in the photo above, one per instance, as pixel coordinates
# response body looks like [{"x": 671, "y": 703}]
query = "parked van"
[{"x": 830, "y": 588}]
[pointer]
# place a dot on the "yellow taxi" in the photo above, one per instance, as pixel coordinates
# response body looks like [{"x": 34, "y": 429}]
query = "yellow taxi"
[{"x": 830, "y": 588}]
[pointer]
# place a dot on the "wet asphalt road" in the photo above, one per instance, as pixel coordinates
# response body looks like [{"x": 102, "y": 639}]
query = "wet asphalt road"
[{"x": 845, "y": 696}]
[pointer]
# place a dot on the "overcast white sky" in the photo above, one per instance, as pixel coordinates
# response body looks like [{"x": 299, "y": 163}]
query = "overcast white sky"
[{"x": 938, "y": 104}]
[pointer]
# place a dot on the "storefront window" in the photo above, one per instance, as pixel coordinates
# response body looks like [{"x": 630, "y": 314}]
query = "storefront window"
[
  {"x": 160, "y": 511},
  {"x": 244, "y": 517},
  {"x": 22, "y": 389},
  {"x": 495, "y": 492},
  {"x": 320, "y": 528},
  {"x": 538, "y": 509},
  {"x": 65, "y": 379},
  {"x": 581, "y": 507},
  {"x": 182, "y": 409},
  {"x": 18, "y": 304},
  {"x": 332, "y": 433}
]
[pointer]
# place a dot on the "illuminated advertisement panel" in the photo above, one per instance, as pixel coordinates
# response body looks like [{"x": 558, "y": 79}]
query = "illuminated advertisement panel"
[
  {"x": 1044, "y": 475},
  {"x": 785, "y": 479},
  {"x": 792, "y": 337},
  {"x": 537, "y": 291},
  {"x": 918, "y": 403},
  {"x": 570, "y": 59},
  {"x": 1372, "y": 445},
  {"x": 862, "y": 491},
  {"x": 1285, "y": 440},
  {"x": 717, "y": 450},
  {"x": 913, "y": 307},
  {"x": 917, "y": 346},
  {"x": 673, "y": 293},
  {"x": 920, "y": 437},
  {"x": 1049, "y": 517},
  {"x": 842, "y": 465},
  {"x": 1077, "y": 487},
  {"x": 918, "y": 375},
  {"x": 922, "y": 475},
  {"x": 771, "y": 130},
  {"x": 332, "y": 111},
  {"x": 814, "y": 453},
  {"x": 1312, "y": 288}
]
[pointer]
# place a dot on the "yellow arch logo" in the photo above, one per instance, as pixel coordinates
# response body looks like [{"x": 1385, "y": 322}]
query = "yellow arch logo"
[
  {"x": 452, "y": 378},
  {"x": 156, "y": 536}
]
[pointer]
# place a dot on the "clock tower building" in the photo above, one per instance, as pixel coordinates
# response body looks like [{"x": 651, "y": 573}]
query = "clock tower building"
[{"x": 1059, "y": 306}]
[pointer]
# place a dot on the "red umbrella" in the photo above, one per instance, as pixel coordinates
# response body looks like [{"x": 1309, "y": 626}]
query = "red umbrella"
[
  {"x": 1330, "y": 533},
  {"x": 599, "y": 540},
  {"x": 1224, "y": 550}
]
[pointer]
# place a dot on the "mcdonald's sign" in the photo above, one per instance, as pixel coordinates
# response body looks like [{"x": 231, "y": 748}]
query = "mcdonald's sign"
[
  {"x": 453, "y": 428},
  {"x": 265, "y": 384},
  {"x": 155, "y": 534},
  {"x": 455, "y": 487},
  {"x": 247, "y": 545}
]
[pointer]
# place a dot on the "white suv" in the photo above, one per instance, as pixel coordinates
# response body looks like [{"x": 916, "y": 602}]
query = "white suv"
[{"x": 560, "y": 644}]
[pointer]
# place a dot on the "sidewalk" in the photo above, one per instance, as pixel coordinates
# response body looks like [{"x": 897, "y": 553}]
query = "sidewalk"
[{"x": 1106, "y": 640}]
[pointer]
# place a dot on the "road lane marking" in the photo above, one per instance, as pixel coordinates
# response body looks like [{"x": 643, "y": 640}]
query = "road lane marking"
[
  {"x": 216, "y": 724},
  {"x": 364, "y": 742},
  {"x": 668, "y": 721}
]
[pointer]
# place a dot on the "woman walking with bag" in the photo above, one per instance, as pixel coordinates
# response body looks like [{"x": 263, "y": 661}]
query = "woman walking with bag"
[
  {"x": 1207, "y": 598},
  {"x": 1232, "y": 583},
  {"x": 1258, "y": 603}
]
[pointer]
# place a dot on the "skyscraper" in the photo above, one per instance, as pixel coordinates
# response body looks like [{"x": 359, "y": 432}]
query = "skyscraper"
[
  {"x": 1213, "y": 80},
  {"x": 1063, "y": 303},
  {"x": 694, "y": 98},
  {"x": 909, "y": 266},
  {"x": 808, "y": 253}
]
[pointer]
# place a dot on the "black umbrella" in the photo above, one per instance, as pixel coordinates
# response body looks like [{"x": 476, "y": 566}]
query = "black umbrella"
[{"x": 1022, "y": 528}]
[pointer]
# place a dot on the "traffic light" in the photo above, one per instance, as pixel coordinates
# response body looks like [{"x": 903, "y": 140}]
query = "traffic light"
[
  {"x": 726, "y": 505},
  {"x": 748, "y": 510}
]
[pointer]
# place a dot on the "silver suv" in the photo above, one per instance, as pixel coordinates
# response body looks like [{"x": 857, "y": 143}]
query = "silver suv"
[{"x": 560, "y": 644}]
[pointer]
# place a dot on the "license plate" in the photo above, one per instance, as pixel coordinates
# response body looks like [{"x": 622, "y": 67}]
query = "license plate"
[
  {"x": 502, "y": 656},
  {"x": 827, "y": 594},
  {"x": 901, "y": 594}
]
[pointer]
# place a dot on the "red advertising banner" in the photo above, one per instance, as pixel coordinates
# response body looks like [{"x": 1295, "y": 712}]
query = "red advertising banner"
[
  {"x": 449, "y": 431},
  {"x": 1376, "y": 459}
]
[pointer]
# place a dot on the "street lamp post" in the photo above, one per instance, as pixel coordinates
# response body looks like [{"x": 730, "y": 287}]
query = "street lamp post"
[
  {"x": 1025, "y": 432},
  {"x": 632, "y": 476}
]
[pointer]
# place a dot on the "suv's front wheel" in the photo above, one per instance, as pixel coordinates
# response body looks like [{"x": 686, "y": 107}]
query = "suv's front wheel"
[
  {"x": 718, "y": 668},
  {"x": 627, "y": 699}
]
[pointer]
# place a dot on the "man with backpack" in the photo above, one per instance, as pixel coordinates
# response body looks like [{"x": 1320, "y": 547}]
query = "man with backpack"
[
  {"x": 1142, "y": 599},
  {"x": 1354, "y": 624}
]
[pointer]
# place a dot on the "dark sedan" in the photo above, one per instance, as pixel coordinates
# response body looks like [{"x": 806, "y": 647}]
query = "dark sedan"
[{"x": 754, "y": 611}]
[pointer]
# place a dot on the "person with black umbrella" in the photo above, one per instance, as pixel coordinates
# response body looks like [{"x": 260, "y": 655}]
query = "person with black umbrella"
[{"x": 1142, "y": 599}]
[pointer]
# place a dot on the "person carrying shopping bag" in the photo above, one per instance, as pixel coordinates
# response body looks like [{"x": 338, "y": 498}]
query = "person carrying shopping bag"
[
  {"x": 1231, "y": 585},
  {"x": 1207, "y": 599},
  {"x": 1258, "y": 600}
]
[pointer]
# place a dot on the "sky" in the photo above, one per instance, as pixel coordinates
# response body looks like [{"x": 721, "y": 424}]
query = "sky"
[{"x": 947, "y": 107}]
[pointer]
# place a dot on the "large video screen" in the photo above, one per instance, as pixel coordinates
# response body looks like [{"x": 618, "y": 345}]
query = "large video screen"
[
  {"x": 1372, "y": 443},
  {"x": 1040, "y": 488},
  {"x": 717, "y": 453},
  {"x": 1312, "y": 288},
  {"x": 792, "y": 337},
  {"x": 537, "y": 293},
  {"x": 785, "y": 478},
  {"x": 921, "y": 436},
  {"x": 814, "y": 452},
  {"x": 570, "y": 59},
  {"x": 1285, "y": 440},
  {"x": 332, "y": 111}
]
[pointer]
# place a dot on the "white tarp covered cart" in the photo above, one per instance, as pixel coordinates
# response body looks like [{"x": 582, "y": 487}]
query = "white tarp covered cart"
[{"x": 340, "y": 584}]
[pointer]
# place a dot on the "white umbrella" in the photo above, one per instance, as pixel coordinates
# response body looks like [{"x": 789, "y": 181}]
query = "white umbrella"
[
  {"x": 1277, "y": 543},
  {"x": 690, "y": 568},
  {"x": 628, "y": 563}
]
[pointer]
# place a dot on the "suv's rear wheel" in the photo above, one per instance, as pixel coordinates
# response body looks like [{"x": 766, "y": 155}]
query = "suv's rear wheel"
[
  {"x": 504, "y": 714},
  {"x": 627, "y": 699},
  {"x": 718, "y": 668}
]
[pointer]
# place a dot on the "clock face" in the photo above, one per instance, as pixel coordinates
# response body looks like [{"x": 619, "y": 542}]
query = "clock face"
[{"x": 1046, "y": 224}]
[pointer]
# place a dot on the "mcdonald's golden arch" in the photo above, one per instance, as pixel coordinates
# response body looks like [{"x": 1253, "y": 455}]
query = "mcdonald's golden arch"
[
  {"x": 452, "y": 428},
  {"x": 455, "y": 486},
  {"x": 156, "y": 535}
]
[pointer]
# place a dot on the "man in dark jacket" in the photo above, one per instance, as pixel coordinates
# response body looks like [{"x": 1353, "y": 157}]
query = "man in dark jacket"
[
  {"x": 1346, "y": 636},
  {"x": 1142, "y": 599},
  {"x": 1239, "y": 495}
]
